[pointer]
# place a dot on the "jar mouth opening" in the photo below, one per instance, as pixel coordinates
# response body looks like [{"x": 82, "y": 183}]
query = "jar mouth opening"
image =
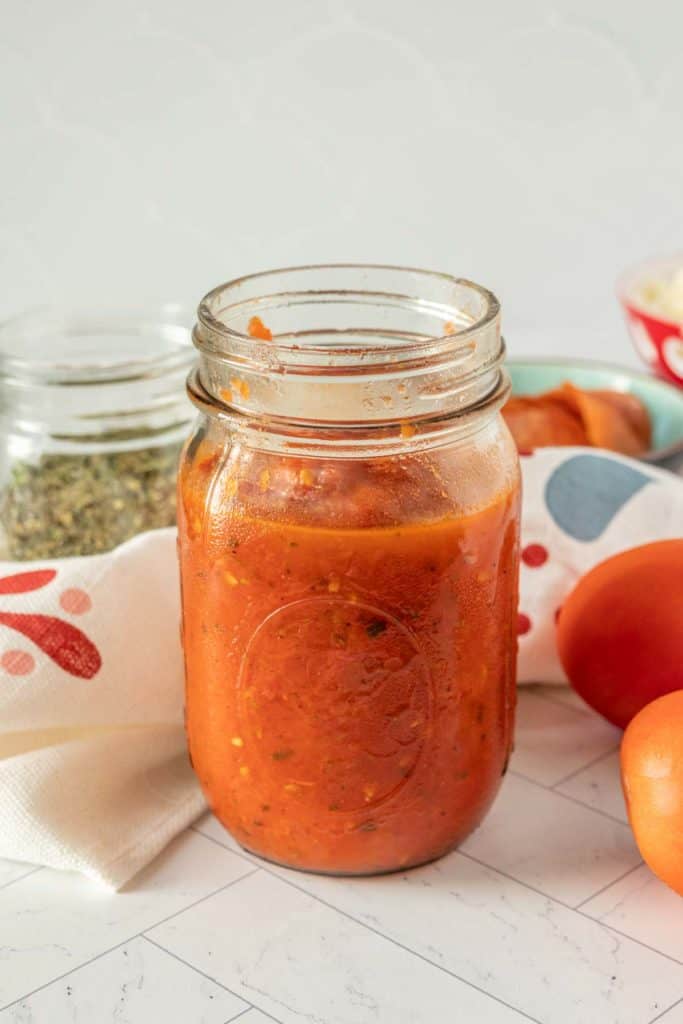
[
  {"x": 342, "y": 315},
  {"x": 96, "y": 346}
]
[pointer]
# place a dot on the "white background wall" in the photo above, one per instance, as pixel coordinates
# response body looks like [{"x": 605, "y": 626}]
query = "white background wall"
[{"x": 151, "y": 148}]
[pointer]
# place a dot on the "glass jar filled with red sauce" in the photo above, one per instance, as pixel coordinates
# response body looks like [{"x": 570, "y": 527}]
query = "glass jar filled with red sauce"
[{"x": 349, "y": 525}]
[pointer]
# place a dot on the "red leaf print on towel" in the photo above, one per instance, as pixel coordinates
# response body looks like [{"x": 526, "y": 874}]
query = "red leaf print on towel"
[
  {"x": 22, "y": 582},
  {"x": 65, "y": 644}
]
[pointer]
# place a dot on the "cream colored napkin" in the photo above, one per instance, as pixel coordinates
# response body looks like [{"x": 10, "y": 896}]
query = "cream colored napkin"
[{"x": 94, "y": 774}]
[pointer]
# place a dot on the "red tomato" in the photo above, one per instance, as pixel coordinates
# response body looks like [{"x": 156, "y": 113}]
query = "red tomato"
[{"x": 620, "y": 631}]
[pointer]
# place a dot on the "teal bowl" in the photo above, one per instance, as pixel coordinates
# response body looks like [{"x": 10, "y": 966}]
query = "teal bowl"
[{"x": 663, "y": 401}]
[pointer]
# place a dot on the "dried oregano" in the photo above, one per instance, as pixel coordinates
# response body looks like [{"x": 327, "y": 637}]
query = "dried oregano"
[{"x": 82, "y": 504}]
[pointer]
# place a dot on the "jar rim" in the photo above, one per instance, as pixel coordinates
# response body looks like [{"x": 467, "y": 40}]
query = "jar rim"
[
  {"x": 216, "y": 331},
  {"x": 159, "y": 336}
]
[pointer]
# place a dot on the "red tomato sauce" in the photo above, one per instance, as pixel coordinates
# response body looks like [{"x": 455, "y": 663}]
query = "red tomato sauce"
[{"x": 350, "y": 650}]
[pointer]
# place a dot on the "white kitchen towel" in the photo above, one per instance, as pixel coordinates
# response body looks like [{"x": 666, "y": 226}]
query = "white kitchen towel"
[{"x": 94, "y": 776}]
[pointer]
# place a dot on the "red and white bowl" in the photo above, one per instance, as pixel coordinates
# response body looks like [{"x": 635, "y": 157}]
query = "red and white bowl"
[{"x": 658, "y": 341}]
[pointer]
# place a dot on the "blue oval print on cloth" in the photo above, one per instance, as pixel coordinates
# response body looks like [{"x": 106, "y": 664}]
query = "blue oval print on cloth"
[{"x": 585, "y": 493}]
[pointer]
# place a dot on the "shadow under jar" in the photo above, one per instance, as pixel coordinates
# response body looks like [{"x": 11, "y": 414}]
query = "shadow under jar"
[
  {"x": 93, "y": 415},
  {"x": 349, "y": 530}
]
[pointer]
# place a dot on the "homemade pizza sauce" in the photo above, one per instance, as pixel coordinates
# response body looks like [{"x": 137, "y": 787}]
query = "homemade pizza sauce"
[
  {"x": 348, "y": 540},
  {"x": 350, "y": 650}
]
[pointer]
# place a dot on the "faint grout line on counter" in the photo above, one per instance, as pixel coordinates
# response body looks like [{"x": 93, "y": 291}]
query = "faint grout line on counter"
[
  {"x": 209, "y": 977},
  {"x": 571, "y": 799},
  {"x": 679, "y": 1002},
  {"x": 609, "y": 885},
  {"x": 585, "y": 767},
  {"x": 124, "y": 942},
  {"x": 20, "y": 878}
]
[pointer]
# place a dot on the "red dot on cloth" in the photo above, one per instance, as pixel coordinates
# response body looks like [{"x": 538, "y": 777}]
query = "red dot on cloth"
[
  {"x": 534, "y": 555},
  {"x": 17, "y": 663},
  {"x": 75, "y": 601},
  {"x": 523, "y": 624},
  {"x": 524, "y": 453}
]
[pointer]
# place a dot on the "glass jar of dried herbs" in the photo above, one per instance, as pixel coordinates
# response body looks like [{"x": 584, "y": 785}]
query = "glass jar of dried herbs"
[{"x": 93, "y": 414}]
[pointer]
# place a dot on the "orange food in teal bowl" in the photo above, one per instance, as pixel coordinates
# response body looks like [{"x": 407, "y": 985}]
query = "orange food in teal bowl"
[{"x": 662, "y": 403}]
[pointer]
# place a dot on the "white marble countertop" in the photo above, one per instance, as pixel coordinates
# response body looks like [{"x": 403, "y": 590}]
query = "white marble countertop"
[{"x": 545, "y": 914}]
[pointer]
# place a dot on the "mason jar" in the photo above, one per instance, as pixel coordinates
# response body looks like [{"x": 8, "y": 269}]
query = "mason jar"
[
  {"x": 93, "y": 414},
  {"x": 348, "y": 537}
]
